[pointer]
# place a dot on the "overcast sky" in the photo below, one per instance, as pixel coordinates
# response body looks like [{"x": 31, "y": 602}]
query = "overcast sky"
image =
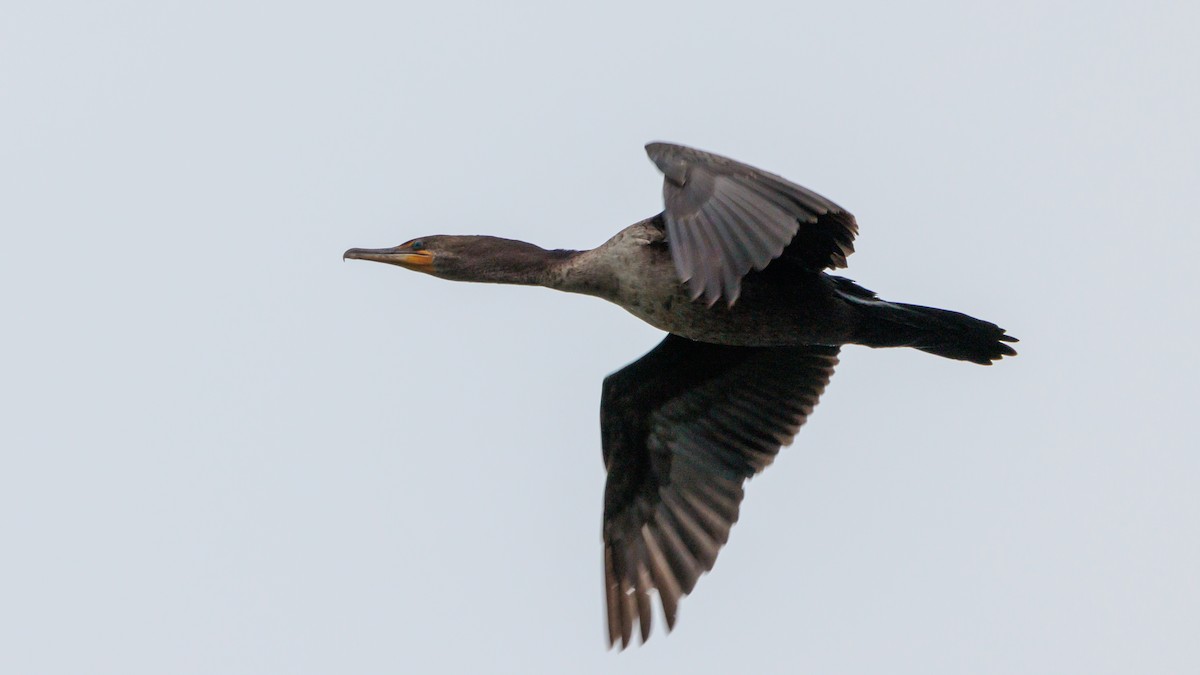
[{"x": 226, "y": 451}]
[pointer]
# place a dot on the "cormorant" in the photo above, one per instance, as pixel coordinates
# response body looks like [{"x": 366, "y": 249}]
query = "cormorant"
[{"x": 732, "y": 270}]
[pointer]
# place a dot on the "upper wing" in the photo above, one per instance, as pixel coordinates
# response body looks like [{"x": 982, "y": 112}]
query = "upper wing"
[
  {"x": 682, "y": 428},
  {"x": 725, "y": 218}
]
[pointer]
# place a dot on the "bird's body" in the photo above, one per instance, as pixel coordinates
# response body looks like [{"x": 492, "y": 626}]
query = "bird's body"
[
  {"x": 733, "y": 271},
  {"x": 634, "y": 270}
]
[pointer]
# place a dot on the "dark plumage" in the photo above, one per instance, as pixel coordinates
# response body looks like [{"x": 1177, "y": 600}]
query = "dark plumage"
[{"x": 733, "y": 381}]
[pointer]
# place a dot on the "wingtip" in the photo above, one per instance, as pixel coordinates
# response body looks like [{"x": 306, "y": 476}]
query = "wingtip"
[
  {"x": 670, "y": 618},
  {"x": 656, "y": 147}
]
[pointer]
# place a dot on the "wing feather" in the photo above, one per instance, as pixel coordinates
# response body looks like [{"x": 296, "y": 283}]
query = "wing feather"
[
  {"x": 683, "y": 428},
  {"x": 724, "y": 218}
]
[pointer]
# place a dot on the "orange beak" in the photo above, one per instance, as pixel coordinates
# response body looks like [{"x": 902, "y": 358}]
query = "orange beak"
[{"x": 420, "y": 261}]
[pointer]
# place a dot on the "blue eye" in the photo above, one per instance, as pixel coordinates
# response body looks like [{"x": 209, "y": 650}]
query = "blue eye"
[{"x": 418, "y": 246}]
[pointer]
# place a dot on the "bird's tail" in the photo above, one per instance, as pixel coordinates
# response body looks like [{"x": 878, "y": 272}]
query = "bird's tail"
[{"x": 938, "y": 331}]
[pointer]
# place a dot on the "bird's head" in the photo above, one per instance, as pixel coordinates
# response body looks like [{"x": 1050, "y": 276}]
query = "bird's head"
[
  {"x": 460, "y": 258},
  {"x": 417, "y": 254}
]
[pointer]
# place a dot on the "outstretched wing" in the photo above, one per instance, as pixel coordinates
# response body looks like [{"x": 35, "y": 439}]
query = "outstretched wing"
[
  {"x": 682, "y": 428},
  {"x": 725, "y": 218}
]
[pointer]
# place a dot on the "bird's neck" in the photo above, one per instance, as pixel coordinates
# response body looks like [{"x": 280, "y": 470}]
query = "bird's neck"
[{"x": 506, "y": 261}]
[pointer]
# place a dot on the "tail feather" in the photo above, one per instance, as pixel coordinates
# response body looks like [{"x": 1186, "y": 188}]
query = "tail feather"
[{"x": 953, "y": 335}]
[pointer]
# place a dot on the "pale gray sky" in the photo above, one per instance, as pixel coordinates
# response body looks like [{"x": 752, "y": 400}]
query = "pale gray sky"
[{"x": 225, "y": 451}]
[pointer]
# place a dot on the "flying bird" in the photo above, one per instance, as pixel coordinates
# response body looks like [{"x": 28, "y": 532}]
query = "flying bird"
[{"x": 733, "y": 269}]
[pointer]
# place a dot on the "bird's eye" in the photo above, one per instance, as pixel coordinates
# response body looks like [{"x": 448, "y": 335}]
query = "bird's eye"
[{"x": 418, "y": 246}]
